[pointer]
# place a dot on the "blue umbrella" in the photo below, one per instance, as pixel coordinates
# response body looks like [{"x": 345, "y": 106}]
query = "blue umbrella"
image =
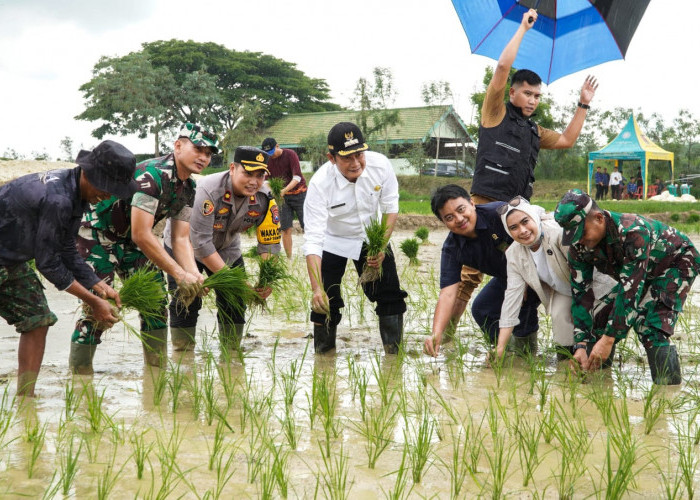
[{"x": 569, "y": 35}]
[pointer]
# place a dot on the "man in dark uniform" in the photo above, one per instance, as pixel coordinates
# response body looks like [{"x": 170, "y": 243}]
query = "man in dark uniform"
[
  {"x": 477, "y": 239},
  {"x": 284, "y": 163},
  {"x": 510, "y": 141},
  {"x": 116, "y": 236},
  {"x": 227, "y": 204},
  {"x": 39, "y": 219},
  {"x": 655, "y": 266}
]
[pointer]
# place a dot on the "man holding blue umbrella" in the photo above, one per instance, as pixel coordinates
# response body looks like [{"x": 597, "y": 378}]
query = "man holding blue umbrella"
[{"x": 509, "y": 140}]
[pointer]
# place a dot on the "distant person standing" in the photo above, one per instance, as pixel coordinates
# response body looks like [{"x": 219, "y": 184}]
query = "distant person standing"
[
  {"x": 599, "y": 184},
  {"x": 509, "y": 140},
  {"x": 284, "y": 163},
  {"x": 660, "y": 186},
  {"x": 616, "y": 183},
  {"x": 606, "y": 183}
]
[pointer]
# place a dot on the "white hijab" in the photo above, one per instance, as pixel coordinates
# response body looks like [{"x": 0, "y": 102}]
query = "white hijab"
[{"x": 535, "y": 212}]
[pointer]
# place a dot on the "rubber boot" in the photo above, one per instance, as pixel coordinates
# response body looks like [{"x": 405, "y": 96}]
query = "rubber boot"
[
  {"x": 155, "y": 347},
  {"x": 324, "y": 338},
  {"x": 664, "y": 364},
  {"x": 230, "y": 336},
  {"x": 391, "y": 331},
  {"x": 80, "y": 358},
  {"x": 182, "y": 338},
  {"x": 522, "y": 346}
]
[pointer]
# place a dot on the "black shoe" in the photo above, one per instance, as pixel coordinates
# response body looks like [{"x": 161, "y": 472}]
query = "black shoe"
[
  {"x": 391, "y": 331},
  {"x": 324, "y": 338}
]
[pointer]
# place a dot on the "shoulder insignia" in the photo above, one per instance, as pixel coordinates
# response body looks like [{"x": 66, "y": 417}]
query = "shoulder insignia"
[
  {"x": 207, "y": 207},
  {"x": 252, "y": 198},
  {"x": 227, "y": 196}
]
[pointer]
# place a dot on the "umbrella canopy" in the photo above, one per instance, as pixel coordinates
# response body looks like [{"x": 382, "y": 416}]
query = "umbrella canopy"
[{"x": 569, "y": 35}]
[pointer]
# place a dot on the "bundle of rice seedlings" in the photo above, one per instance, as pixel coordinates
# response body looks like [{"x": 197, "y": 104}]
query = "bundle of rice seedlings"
[
  {"x": 376, "y": 241},
  {"x": 410, "y": 248},
  {"x": 276, "y": 185},
  {"x": 272, "y": 274},
  {"x": 422, "y": 233},
  {"x": 231, "y": 283}
]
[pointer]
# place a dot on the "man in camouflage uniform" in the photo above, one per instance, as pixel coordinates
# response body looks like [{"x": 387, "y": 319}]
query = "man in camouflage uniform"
[
  {"x": 655, "y": 266},
  {"x": 227, "y": 204},
  {"x": 116, "y": 236},
  {"x": 39, "y": 218}
]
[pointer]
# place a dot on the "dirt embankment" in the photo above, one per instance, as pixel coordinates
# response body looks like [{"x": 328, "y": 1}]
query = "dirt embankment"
[{"x": 11, "y": 169}]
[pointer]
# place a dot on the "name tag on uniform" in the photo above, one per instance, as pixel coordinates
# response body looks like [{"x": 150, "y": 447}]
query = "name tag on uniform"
[{"x": 338, "y": 206}]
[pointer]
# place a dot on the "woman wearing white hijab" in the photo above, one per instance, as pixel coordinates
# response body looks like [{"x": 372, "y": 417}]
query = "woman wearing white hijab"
[{"x": 538, "y": 259}]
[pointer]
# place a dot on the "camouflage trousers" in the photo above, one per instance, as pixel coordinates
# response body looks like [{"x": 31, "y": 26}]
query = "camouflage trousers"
[
  {"x": 655, "y": 317},
  {"x": 108, "y": 258},
  {"x": 22, "y": 300}
]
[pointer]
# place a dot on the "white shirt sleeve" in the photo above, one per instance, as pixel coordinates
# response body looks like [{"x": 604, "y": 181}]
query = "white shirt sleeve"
[{"x": 315, "y": 216}]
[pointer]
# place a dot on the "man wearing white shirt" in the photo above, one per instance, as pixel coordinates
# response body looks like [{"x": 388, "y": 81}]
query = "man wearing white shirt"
[
  {"x": 615, "y": 186},
  {"x": 344, "y": 195}
]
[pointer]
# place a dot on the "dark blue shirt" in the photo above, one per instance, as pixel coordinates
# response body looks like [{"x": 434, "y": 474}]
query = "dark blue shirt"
[
  {"x": 599, "y": 178},
  {"x": 39, "y": 219},
  {"x": 486, "y": 252}
]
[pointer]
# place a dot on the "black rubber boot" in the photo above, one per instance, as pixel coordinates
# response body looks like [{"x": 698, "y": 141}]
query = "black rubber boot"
[
  {"x": 155, "y": 347},
  {"x": 324, "y": 338},
  {"x": 664, "y": 364},
  {"x": 182, "y": 338},
  {"x": 391, "y": 331},
  {"x": 230, "y": 336},
  {"x": 80, "y": 358},
  {"x": 522, "y": 346}
]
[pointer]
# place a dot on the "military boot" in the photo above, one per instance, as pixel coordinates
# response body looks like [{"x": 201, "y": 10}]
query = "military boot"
[
  {"x": 155, "y": 347},
  {"x": 522, "y": 346},
  {"x": 80, "y": 358},
  {"x": 664, "y": 364},
  {"x": 230, "y": 336},
  {"x": 182, "y": 338},
  {"x": 324, "y": 337},
  {"x": 391, "y": 331}
]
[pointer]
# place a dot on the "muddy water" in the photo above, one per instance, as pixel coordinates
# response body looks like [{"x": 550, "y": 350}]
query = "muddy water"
[{"x": 454, "y": 399}]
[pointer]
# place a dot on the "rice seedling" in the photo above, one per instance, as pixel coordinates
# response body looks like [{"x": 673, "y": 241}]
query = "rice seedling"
[
  {"x": 499, "y": 464},
  {"x": 71, "y": 399},
  {"x": 574, "y": 443},
  {"x": 671, "y": 480},
  {"x": 229, "y": 282},
  {"x": 420, "y": 444},
  {"x": 334, "y": 480},
  {"x": 51, "y": 490},
  {"x": 194, "y": 385},
  {"x": 618, "y": 472},
  {"x": 377, "y": 429},
  {"x": 95, "y": 413},
  {"x": 383, "y": 375},
  {"x": 69, "y": 464},
  {"x": 410, "y": 249},
  {"x": 159, "y": 378},
  {"x": 92, "y": 445},
  {"x": 140, "y": 452},
  {"x": 528, "y": 434},
  {"x": 401, "y": 489},
  {"x": 687, "y": 462},
  {"x": 327, "y": 403},
  {"x": 459, "y": 467},
  {"x": 108, "y": 479},
  {"x": 376, "y": 241},
  {"x": 176, "y": 381},
  {"x": 273, "y": 274},
  {"x": 225, "y": 469},
  {"x": 280, "y": 468},
  {"x": 258, "y": 450},
  {"x": 217, "y": 444},
  {"x": 166, "y": 452},
  {"x": 276, "y": 186},
  {"x": 7, "y": 416},
  {"x": 422, "y": 234},
  {"x": 654, "y": 406},
  {"x": 210, "y": 399},
  {"x": 35, "y": 435}
]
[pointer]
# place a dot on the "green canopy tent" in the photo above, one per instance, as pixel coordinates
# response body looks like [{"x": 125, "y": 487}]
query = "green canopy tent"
[{"x": 631, "y": 144}]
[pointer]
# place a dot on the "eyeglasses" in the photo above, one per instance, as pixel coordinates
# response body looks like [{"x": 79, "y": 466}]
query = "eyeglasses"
[{"x": 512, "y": 203}]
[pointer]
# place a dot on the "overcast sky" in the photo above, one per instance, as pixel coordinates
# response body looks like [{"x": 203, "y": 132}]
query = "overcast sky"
[{"x": 48, "y": 49}]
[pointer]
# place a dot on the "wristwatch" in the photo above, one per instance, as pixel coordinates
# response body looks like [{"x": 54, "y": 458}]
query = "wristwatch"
[
  {"x": 584, "y": 106},
  {"x": 579, "y": 346}
]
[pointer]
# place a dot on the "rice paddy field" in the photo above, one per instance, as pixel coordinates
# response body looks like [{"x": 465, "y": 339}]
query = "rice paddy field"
[{"x": 280, "y": 422}]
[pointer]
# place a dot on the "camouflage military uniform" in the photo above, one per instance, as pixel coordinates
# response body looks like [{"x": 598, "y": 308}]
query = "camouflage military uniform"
[
  {"x": 655, "y": 266},
  {"x": 104, "y": 239}
]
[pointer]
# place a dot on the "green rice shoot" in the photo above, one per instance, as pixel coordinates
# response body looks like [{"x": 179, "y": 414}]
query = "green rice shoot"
[
  {"x": 272, "y": 273},
  {"x": 422, "y": 234},
  {"x": 231, "y": 283},
  {"x": 276, "y": 185},
  {"x": 410, "y": 249},
  {"x": 376, "y": 242}
]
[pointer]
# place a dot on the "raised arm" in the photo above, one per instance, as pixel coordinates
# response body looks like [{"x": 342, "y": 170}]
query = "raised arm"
[
  {"x": 570, "y": 135},
  {"x": 510, "y": 52}
]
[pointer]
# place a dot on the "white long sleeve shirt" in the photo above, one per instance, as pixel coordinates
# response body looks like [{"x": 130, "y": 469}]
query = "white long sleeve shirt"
[{"x": 336, "y": 210}]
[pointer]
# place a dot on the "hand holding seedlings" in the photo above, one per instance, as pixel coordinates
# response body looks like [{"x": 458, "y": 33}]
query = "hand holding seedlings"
[
  {"x": 104, "y": 291},
  {"x": 319, "y": 302},
  {"x": 376, "y": 260},
  {"x": 600, "y": 352},
  {"x": 431, "y": 346},
  {"x": 263, "y": 292}
]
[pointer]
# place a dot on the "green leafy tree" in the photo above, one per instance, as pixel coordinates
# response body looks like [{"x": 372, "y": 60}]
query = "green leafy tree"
[
  {"x": 315, "y": 148},
  {"x": 416, "y": 157},
  {"x": 686, "y": 135},
  {"x": 435, "y": 93},
  {"x": 373, "y": 101},
  {"x": 130, "y": 96},
  {"x": 67, "y": 148}
]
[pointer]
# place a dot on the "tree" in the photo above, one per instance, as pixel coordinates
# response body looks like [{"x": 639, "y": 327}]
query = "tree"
[
  {"x": 130, "y": 96},
  {"x": 67, "y": 148},
  {"x": 374, "y": 100},
  {"x": 435, "y": 93},
  {"x": 169, "y": 82},
  {"x": 416, "y": 157},
  {"x": 686, "y": 134},
  {"x": 314, "y": 148}
]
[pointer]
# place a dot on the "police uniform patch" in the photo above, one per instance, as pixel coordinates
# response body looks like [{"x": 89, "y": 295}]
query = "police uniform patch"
[
  {"x": 227, "y": 196},
  {"x": 252, "y": 198},
  {"x": 275, "y": 214},
  {"x": 223, "y": 210},
  {"x": 207, "y": 207},
  {"x": 253, "y": 213},
  {"x": 218, "y": 225}
]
